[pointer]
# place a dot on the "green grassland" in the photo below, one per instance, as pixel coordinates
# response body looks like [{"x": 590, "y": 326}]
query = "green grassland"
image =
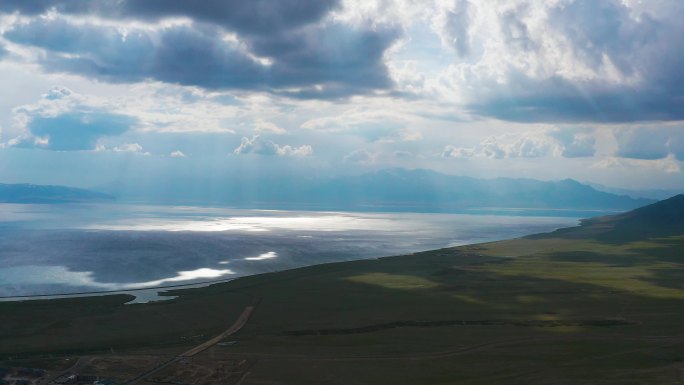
[{"x": 579, "y": 306}]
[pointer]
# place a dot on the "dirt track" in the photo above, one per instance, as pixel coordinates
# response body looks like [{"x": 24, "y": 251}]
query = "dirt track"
[{"x": 234, "y": 328}]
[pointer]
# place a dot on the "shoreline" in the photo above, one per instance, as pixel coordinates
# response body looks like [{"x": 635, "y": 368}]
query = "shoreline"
[
  {"x": 131, "y": 292},
  {"x": 155, "y": 294}
]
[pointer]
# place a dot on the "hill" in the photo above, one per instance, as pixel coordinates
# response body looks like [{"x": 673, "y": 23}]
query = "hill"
[
  {"x": 661, "y": 219},
  {"x": 657, "y": 194},
  {"x": 31, "y": 193}
]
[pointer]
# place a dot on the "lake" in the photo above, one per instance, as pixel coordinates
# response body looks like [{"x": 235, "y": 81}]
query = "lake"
[{"x": 61, "y": 249}]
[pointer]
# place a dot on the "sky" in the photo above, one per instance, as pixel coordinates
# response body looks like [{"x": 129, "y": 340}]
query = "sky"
[{"x": 97, "y": 93}]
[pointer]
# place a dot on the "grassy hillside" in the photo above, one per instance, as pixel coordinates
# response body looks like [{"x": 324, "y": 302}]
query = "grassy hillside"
[{"x": 579, "y": 306}]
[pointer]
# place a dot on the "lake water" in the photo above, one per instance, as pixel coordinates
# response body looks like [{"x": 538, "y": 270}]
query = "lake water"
[{"x": 56, "y": 249}]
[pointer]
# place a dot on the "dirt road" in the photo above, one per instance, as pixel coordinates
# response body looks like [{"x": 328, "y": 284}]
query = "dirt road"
[{"x": 237, "y": 325}]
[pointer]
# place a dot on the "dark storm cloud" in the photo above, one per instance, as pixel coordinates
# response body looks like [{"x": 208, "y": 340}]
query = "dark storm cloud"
[
  {"x": 183, "y": 55},
  {"x": 253, "y": 16},
  {"x": 37, "y": 7},
  {"x": 77, "y": 130},
  {"x": 87, "y": 49},
  {"x": 559, "y": 100},
  {"x": 333, "y": 54},
  {"x": 314, "y": 62}
]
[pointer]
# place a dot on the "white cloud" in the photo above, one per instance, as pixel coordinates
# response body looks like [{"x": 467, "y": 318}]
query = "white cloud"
[
  {"x": 668, "y": 165},
  {"x": 575, "y": 142},
  {"x": 262, "y": 126},
  {"x": 505, "y": 146},
  {"x": 260, "y": 146},
  {"x": 128, "y": 147},
  {"x": 453, "y": 26},
  {"x": 403, "y": 154},
  {"x": 177, "y": 154},
  {"x": 372, "y": 125},
  {"x": 134, "y": 148},
  {"x": 303, "y": 150},
  {"x": 360, "y": 156},
  {"x": 565, "y": 142},
  {"x": 562, "y": 60},
  {"x": 450, "y": 151}
]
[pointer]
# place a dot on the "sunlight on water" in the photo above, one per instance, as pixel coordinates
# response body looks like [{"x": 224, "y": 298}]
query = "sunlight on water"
[
  {"x": 28, "y": 275},
  {"x": 332, "y": 222},
  {"x": 50, "y": 250},
  {"x": 269, "y": 255},
  {"x": 60, "y": 275},
  {"x": 203, "y": 273}
]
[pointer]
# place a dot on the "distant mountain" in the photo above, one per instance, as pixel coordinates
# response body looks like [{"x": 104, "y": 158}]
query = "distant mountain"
[
  {"x": 391, "y": 190},
  {"x": 661, "y": 219},
  {"x": 656, "y": 194},
  {"x": 30, "y": 193},
  {"x": 431, "y": 189}
]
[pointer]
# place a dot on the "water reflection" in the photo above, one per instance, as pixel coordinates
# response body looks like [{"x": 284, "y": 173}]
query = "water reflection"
[{"x": 67, "y": 249}]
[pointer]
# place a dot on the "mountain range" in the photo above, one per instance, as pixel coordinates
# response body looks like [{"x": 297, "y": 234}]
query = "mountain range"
[
  {"x": 387, "y": 190},
  {"x": 31, "y": 193}
]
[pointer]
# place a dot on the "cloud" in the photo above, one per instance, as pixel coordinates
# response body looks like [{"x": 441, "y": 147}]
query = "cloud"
[
  {"x": 575, "y": 142},
  {"x": 42, "y": 6},
  {"x": 77, "y": 130},
  {"x": 253, "y": 17},
  {"x": 177, "y": 154},
  {"x": 329, "y": 61},
  {"x": 59, "y": 93},
  {"x": 524, "y": 147},
  {"x": 129, "y": 147},
  {"x": 259, "y": 146},
  {"x": 360, "y": 156},
  {"x": 565, "y": 142},
  {"x": 451, "y": 151},
  {"x": 650, "y": 143},
  {"x": 371, "y": 126},
  {"x": 178, "y": 54},
  {"x": 403, "y": 154},
  {"x": 65, "y": 121},
  {"x": 504, "y": 147},
  {"x": 262, "y": 126},
  {"x": 668, "y": 165},
  {"x": 569, "y": 61},
  {"x": 453, "y": 26},
  {"x": 676, "y": 145},
  {"x": 304, "y": 150},
  {"x": 323, "y": 61}
]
